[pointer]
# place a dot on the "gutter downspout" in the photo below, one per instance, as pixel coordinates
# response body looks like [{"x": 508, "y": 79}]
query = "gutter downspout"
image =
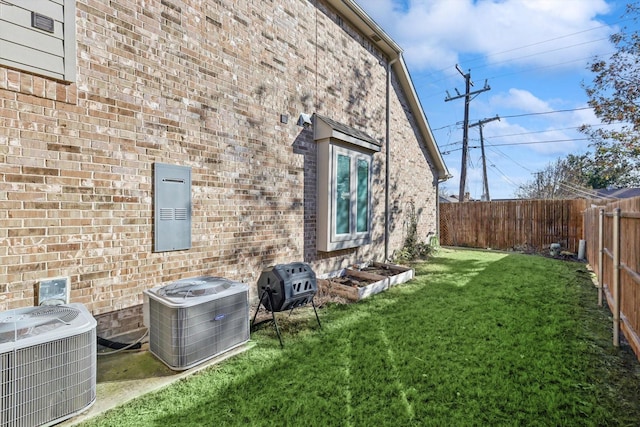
[
  {"x": 438, "y": 181},
  {"x": 387, "y": 212}
]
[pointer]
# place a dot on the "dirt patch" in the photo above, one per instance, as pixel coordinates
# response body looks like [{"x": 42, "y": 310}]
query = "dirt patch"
[
  {"x": 355, "y": 282},
  {"x": 382, "y": 271}
]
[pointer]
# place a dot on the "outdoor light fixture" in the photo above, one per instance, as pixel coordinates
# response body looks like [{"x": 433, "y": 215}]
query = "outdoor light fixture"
[{"x": 305, "y": 120}]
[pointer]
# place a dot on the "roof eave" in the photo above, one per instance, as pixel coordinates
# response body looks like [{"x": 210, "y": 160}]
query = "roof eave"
[{"x": 352, "y": 12}]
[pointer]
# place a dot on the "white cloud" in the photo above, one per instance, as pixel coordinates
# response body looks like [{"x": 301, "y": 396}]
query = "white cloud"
[
  {"x": 520, "y": 100},
  {"x": 580, "y": 117},
  {"x": 505, "y": 32},
  {"x": 534, "y": 54}
]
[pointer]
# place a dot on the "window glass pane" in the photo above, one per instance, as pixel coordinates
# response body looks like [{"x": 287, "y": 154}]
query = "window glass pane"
[
  {"x": 362, "y": 202},
  {"x": 343, "y": 196}
]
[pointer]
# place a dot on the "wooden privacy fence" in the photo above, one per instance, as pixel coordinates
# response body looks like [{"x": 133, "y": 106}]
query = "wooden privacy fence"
[
  {"x": 612, "y": 234},
  {"x": 530, "y": 225}
]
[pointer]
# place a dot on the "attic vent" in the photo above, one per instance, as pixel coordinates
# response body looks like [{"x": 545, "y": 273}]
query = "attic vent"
[
  {"x": 42, "y": 22},
  {"x": 375, "y": 38}
]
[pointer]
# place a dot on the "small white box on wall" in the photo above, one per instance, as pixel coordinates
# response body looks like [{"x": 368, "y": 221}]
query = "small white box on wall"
[{"x": 54, "y": 291}]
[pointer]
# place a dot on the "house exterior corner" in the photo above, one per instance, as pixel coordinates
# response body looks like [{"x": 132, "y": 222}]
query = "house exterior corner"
[{"x": 214, "y": 89}]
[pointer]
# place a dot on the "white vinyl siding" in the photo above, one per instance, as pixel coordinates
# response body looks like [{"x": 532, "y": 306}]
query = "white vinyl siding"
[{"x": 24, "y": 47}]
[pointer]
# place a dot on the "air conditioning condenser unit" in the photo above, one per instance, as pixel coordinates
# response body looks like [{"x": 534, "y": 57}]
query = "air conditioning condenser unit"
[
  {"x": 47, "y": 364},
  {"x": 193, "y": 320}
]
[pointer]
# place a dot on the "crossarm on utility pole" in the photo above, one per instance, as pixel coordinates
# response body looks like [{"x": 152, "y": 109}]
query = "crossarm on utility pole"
[
  {"x": 465, "y": 131},
  {"x": 485, "y": 180}
]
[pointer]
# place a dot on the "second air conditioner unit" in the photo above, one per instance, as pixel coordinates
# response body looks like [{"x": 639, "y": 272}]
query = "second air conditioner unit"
[
  {"x": 193, "y": 320},
  {"x": 47, "y": 364}
]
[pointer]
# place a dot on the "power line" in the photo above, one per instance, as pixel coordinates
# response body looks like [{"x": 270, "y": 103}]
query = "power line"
[
  {"x": 556, "y": 38},
  {"x": 558, "y": 64},
  {"x": 489, "y": 55},
  {"x": 548, "y": 130},
  {"x": 535, "y": 142},
  {"x": 520, "y": 143},
  {"x": 499, "y": 152},
  {"x": 547, "y": 112},
  {"x": 490, "y": 64},
  {"x": 505, "y": 176},
  {"x": 526, "y": 133},
  {"x": 529, "y": 114},
  {"x": 527, "y": 70}
]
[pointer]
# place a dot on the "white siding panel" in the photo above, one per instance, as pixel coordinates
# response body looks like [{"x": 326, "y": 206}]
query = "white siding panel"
[
  {"x": 35, "y": 40},
  {"x": 30, "y": 69},
  {"x": 25, "y": 58},
  {"x": 44, "y": 7},
  {"x": 30, "y": 49}
]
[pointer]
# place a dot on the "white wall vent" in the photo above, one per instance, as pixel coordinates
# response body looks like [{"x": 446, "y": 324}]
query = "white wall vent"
[
  {"x": 193, "y": 320},
  {"x": 47, "y": 364},
  {"x": 54, "y": 291}
]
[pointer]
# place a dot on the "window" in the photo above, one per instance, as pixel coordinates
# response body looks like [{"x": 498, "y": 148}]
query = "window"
[
  {"x": 344, "y": 185},
  {"x": 350, "y": 214}
]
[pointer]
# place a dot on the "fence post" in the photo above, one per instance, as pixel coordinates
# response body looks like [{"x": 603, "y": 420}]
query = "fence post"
[
  {"x": 616, "y": 277},
  {"x": 600, "y": 255}
]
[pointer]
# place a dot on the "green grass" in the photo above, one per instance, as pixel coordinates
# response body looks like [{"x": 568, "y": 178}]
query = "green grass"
[{"x": 477, "y": 339}]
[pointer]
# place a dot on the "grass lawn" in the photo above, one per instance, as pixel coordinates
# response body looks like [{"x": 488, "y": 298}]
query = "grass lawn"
[{"x": 477, "y": 339}]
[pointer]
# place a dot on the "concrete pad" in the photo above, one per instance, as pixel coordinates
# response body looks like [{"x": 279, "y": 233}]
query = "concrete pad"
[{"x": 125, "y": 375}]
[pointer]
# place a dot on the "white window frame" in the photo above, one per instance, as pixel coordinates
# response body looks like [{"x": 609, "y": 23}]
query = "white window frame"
[
  {"x": 332, "y": 140},
  {"x": 353, "y": 237},
  {"x": 328, "y": 239}
]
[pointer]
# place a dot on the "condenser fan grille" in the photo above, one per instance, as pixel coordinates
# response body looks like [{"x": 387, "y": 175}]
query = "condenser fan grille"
[
  {"x": 33, "y": 321},
  {"x": 63, "y": 314},
  {"x": 196, "y": 287}
]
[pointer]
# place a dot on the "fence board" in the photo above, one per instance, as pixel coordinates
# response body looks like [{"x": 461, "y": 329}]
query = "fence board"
[
  {"x": 629, "y": 260},
  {"x": 518, "y": 224}
]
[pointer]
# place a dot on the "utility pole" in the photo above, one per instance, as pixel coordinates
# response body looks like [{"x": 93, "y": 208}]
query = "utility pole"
[
  {"x": 465, "y": 131},
  {"x": 485, "y": 181}
]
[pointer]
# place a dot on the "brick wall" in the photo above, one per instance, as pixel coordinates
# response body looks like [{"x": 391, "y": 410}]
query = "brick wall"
[{"x": 200, "y": 84}]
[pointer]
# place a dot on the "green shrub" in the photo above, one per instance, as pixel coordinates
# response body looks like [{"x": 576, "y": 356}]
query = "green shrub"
[{"x": 413, "y": 248}]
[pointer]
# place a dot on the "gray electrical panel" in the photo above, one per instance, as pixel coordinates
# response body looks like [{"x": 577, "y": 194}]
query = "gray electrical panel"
[{"x": 172, "y": 207}]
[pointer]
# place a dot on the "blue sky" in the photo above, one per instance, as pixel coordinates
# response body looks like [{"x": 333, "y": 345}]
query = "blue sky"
[{"x": 534, "y": 54}]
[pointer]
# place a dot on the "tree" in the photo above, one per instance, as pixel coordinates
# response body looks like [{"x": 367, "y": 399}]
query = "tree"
[
  {"x": 614, "y": 96},
  {"x": 607, "y": 167},
  {"x": 562, "y": 179}
]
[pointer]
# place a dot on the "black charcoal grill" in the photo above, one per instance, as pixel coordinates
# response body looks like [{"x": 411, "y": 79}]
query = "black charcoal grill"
[{"x": 284, "y": 287}]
